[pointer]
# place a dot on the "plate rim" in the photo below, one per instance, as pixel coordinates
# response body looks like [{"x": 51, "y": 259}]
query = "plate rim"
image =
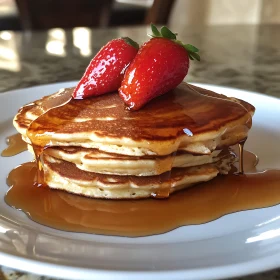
[{"x": 70, "y": 272}]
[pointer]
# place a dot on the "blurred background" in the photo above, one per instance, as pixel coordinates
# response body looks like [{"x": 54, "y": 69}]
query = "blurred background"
[
  {"x": 49, "y": 41},
  {"x": 45, "y": 14},
  {"x": 40, "y": 37}
]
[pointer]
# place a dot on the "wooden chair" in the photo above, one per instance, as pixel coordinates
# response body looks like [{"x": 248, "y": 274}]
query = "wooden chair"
[
  {"x": 45, "y": 14},
  {"x": 159, "y": 12}
]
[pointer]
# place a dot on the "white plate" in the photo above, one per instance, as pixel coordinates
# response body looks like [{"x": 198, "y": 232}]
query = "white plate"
[{"x": 233, "y": 245}]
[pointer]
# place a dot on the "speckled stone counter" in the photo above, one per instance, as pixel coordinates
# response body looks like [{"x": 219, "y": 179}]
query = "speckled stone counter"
[{"x": 245, "y": 57}]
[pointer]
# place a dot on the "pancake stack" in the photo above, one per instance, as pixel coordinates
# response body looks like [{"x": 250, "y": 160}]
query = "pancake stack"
[{"x": 97, "y": 148}]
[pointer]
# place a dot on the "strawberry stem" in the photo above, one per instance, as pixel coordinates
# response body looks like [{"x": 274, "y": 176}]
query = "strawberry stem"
[
  {"x": 165, "y": 32},
  {"x": 130, "y": 42}
]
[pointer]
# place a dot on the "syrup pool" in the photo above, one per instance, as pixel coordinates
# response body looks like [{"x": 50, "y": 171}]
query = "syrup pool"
[{"x": 199, "y": 204}]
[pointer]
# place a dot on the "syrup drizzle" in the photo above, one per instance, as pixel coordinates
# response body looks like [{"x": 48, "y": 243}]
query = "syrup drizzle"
[
  {"x": 190, "y": 110},
  {"x": 199, "y": 204},
  {"x": 60, "y": 99},
  {"x": 241, "y": 156},
  {"x": 164, "y": 192},
  {"x": 39, "y": 180},
  {"x": 196, "y": 205},
  {"x": 15, "y": 146}
]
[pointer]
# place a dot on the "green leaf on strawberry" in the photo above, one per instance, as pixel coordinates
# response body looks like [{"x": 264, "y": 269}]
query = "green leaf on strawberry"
[
  {"x": 165, "y": 32},
  {"x": 192, "y": 51},
  {"x": 130, "y": 42},
  {"x": 191, "y": 48},
  {"x": 155, "y": 31}
]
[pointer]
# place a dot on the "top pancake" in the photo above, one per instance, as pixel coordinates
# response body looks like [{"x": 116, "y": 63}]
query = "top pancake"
[{"x": 187, "y": 118}]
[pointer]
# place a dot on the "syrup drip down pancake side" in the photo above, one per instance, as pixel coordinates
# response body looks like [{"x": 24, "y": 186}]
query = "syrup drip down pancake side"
[{"x": 176, "y": 140}]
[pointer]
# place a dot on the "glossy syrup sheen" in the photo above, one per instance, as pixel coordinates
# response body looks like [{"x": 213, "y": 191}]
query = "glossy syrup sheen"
[
  {"x": 199, "y": 204},
  {"x": 15, "y": 146},
  {"x": 164, "y": 118},
  {"x": 167, "y": 118}
]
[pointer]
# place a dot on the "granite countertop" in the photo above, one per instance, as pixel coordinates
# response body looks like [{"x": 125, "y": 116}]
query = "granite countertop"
[{"x": 245, "y": 57}]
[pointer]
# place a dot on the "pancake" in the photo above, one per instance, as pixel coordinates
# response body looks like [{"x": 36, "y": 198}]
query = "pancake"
[
  {"x": 187, "y": 118},
  {"x": 97, "y": 148},
  {"x": 97, "y": 161},
  {"x": 63, "y": 175}
]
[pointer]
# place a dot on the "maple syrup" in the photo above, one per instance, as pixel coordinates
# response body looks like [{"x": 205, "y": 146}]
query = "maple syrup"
[
  {"x": 243, "y": 190},
  {"x": 241, "y": 155},
  {"x": 184, "y": 110},
  {"x": 15, "y": 146},
  {"x": 199, "y": 204},
  {"x": 191, "y": 110}
]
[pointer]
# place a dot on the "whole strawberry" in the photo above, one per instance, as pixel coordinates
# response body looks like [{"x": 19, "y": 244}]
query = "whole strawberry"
[
  {"x": 105, "y": 71},
  {"x": 160, "y": 65}
]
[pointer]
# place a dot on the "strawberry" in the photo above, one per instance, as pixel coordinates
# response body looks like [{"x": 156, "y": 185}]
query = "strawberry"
[
  {"x": 159, "y": 66},
  {"x": 105, "y": 71}
]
